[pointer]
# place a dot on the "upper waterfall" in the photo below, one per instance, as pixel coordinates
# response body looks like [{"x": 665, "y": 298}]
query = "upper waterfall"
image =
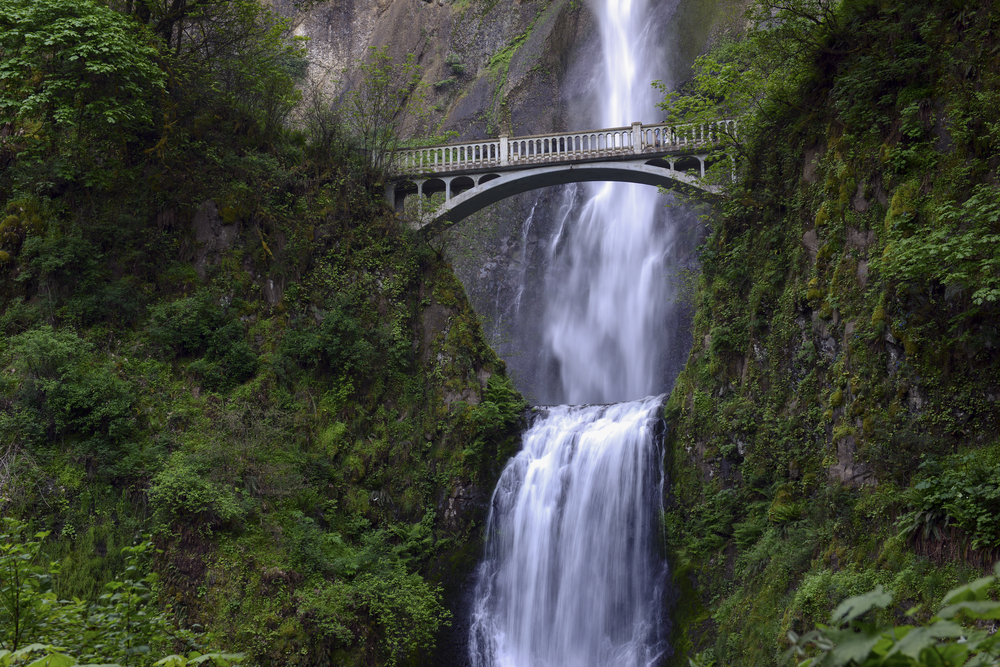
[{"x": 606, "y": 321}]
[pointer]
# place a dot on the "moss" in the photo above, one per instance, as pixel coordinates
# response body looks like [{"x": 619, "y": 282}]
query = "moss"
[
  {"x": 837, "y": 398},
  {"x": 902, "y": 206},
  {"x": 822, "y": 217}
]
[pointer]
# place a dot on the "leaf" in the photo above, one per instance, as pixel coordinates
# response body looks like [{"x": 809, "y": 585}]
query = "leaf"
[
  {"x": 171, "y": 661},
  {"x": 976, "y": 590},
  {"x": 920, "y": 638},
  {"x": 851, "y": 608},
  {"x": 54, "y": 660},
  {"x": 973, "y": 609},
  {"x": 851, "y": 646}
]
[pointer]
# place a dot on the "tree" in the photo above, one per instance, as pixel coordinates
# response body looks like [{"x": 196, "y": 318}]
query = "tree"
[
  {"x": 374, "y": 111},
  {"x": 77, "y": 70}
]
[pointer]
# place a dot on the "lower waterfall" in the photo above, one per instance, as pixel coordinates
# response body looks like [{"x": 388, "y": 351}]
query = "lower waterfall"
[{"x": 572, "y": 575}]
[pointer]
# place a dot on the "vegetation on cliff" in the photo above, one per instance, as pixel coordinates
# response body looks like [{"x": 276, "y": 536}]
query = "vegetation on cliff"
[
  {"x": 214, "y": 331},
  {"x": 835, "y": 427}
]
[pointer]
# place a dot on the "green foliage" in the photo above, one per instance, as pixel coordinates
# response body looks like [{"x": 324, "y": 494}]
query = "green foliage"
[
  {"x": 255, "y": 63},
  {"x": 77, "y": 67},
  {"x": 951, "y": 638},
  {"x": 845, "y": 331},
  {"x": 46, "y": 655},
  {"x": 958, "y": 250},
  {"x": 373, "y": 579},
  {"x": 23, "y": 584},
  {"x": 63, "y": 395},
  {"x": 280, "y": 408},
  {"x": 200, "y": 324},
  {"x": 492, "y": 421},
  {"x": 962, "y": 491},
  {"x": 408, "y": 609},
  {"x": 340, "y": 344},
  {"x": 182, "y": 492},
  {"x": 187, "y": 325},
  {"x": 121, "y": 626},
  {"x": 454, "y": 63}
]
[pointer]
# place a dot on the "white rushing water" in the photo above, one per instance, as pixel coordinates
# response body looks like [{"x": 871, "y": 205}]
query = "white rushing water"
[
  {"x": 573, "y": 575},
  {"x": 607, "y": 294}
]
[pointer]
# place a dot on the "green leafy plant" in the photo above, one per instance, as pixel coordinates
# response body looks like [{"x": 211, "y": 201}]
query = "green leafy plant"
[
  {"x": 962, "y": 491},
  {"x": 958, "y": 250},
  {"x": 76, "y": 69},
  {"x": 122, "y": 625},
  {"x": 46, "y": 655},
  {"x": 954, "y": 636},
  {"x": 62, "y": 392},
  {"x": 454, "y": 63},
  {"x": 183, "y": 491},
  {"x": 23, "y": 586},
  {"x": 408, "y": 609}
]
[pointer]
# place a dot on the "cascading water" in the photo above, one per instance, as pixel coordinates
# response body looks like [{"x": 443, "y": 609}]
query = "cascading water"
[
  {"x": 572, "y": 575},
  {"x": 607, "y": 292}
]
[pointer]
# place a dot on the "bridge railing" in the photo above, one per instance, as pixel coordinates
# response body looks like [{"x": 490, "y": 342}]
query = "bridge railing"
[{"x": 561, "y": 147}]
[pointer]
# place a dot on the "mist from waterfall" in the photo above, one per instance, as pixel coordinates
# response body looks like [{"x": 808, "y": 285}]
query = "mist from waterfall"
[{"x": 573, "y": 574}]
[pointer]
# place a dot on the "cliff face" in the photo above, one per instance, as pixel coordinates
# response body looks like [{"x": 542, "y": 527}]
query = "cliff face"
[
  {"x": 835, "y": 426},
  {"x": 488, "y": 67},
  {"x": 518, "y": 67}
]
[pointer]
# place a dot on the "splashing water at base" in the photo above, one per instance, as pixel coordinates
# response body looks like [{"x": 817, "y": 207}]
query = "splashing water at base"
[{"x": 572, "y": 577}]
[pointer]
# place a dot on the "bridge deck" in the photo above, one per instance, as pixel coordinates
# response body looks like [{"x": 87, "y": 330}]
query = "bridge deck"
[{"x": 505, "y": 153}]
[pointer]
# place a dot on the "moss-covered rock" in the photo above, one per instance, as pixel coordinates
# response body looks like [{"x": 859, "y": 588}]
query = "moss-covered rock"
[{"x": 857, "y": 361}]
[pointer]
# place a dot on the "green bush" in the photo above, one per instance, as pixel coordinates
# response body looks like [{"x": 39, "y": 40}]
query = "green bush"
[
  {"x": 121, "y": 625},
  {"x": 79, "y": 67},
  {"x": 200, "y": 325},
  {"x": 407, "y": 608},
  {"x": 186, "y": 325},
  {"x": 340, "y": 344},
  {"x": 955, "y": 636},
  {"x": 183, "y": 492},
  {"x": 62, "y": 394},
  {"x": 961, "y": 491},
  {"x": 228, "y": 360}
]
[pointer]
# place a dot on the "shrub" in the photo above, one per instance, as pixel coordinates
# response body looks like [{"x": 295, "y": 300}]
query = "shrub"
[
  {"x": 961, "y": 491},
  {"x": 79, "y": 65},
  {"x": 949, "y": 638},
  {"x": 182, "y": 492},
  {"x": 186, "y": 325},
  {"x": 120, "y": 626},
  {"x": 408, "y": 609},
  {"x": 61, "y": 393}
]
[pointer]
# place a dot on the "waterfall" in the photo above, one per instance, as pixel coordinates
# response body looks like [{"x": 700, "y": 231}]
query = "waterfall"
[
  {"x": 608, "y": 299},
  {"x": 572, "y": 575}
]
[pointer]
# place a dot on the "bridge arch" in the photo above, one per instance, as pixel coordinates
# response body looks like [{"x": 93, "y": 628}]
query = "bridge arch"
[{"x": 682, "y": 173}]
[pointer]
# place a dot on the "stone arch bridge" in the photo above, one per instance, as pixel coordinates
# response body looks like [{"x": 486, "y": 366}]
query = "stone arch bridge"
[{"x": 473, "y": 175}]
